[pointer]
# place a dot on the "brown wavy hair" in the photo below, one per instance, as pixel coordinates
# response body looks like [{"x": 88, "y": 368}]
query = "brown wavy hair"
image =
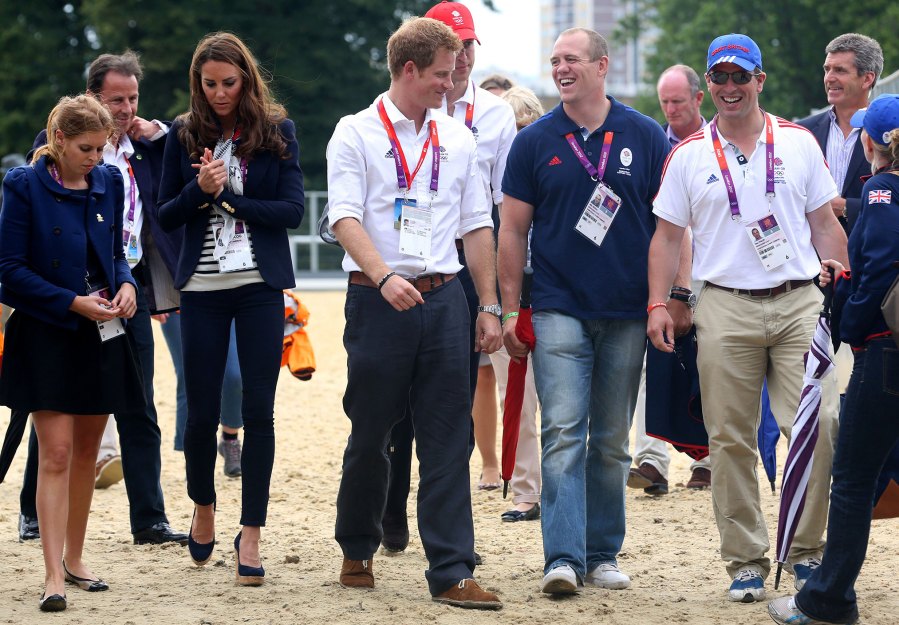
[
  {"x": 74, "y": 116},
  {"x": 258, "y": 112}
]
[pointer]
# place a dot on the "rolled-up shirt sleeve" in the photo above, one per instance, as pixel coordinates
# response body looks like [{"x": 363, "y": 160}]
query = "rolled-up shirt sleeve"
[
  {"x": 347, "y": 185},
  {"x": 476, "y": 209}
]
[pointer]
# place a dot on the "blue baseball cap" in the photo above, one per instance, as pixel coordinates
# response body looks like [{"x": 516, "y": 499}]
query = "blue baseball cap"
[
  {"x": 737, "y": 49},
  {"x": 879, "y": 119}
]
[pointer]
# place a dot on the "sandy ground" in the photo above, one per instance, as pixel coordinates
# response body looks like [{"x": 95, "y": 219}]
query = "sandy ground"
[{"x": 671, "y": 549}]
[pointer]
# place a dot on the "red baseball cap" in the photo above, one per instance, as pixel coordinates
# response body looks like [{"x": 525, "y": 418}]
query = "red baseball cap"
[{"x": 455, "y": 15}]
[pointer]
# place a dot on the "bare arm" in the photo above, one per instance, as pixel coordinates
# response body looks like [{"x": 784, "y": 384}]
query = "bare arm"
[
  {"x": 355, "y": 240},
  {"x": 828, "y": 235},
  {"x": 513, "y": 245},
  {"x": 681, "y": 314},
  {"x": 664, "y": 263},
  {"x": 481, "y": 261}
]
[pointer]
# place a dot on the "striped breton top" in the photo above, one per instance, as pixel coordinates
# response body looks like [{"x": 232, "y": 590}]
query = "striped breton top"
[{"x": 206, "y": 276}]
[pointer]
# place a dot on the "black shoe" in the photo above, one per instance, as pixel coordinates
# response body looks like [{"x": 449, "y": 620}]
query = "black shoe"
[
  {"x": 90, "y": 585},
  {"x": 53, "y": 603},
  {"x": 28, "y": 528},
  {"x": 247, "y": 575},
  {"x": 513, "y": 515},
  {"x": 159, "y": 533},
  {"x": 396, "y": 535},
  {"x": 200, "y": 553}
]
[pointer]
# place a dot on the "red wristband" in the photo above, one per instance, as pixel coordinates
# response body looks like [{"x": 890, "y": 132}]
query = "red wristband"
[{"x": 652, "y": 307}]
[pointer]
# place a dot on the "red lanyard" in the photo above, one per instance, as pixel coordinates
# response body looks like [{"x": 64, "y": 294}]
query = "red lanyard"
[
  {"x": 133, "y": 202},
  {"x": 403, "y": 177},
  {"x": 469, "y": 110}
]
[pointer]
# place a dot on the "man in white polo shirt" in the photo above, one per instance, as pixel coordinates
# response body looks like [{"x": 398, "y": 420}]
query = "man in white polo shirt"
[
  {"x": 757, "y": 311},
  {"x": 403, "y": 181}
]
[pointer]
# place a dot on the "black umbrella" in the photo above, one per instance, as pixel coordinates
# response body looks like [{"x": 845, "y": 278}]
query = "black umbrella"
[{"x": 14, "y": 432}]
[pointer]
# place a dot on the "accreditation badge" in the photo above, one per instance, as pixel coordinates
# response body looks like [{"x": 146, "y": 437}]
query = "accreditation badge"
[
  {"x": 416, "y": 228},
  {"x": 236, "y": 254},
  {"x": 597, "y": 217},
  {"x": 769, "y": 242},
  {"x": 113, "y": 328}
]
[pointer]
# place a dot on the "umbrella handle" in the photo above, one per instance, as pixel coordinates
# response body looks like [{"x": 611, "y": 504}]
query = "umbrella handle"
[
  {"x": 828, "y": 294},
  {"x": 527, "y": 281}
]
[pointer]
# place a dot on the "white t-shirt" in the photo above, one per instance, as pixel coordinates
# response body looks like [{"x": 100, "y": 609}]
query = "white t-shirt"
[
  {"x": 692, "y": 192},
  {"x": 362, "y": 183},
  {"x": 493, "y": 127}
]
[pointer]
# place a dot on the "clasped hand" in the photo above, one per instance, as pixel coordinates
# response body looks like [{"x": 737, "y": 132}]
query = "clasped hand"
[{"x": 212, "y": 174}]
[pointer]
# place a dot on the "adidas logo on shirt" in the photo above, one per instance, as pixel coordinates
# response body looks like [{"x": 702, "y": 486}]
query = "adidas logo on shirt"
[
  {"x": 389, "y": 153},
  {"x": 712, "y": 179},
  {"x": 555, "y": 161}
]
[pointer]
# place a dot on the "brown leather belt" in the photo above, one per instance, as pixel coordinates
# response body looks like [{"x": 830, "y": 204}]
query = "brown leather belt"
[
  {"x": 790, "y": 285},
  {"x": 422, "y": 284}
]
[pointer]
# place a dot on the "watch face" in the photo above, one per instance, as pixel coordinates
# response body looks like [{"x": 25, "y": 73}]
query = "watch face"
[{"x": 691, "y": 300}]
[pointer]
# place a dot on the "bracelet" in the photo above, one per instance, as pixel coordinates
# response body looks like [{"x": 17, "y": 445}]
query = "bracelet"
[
  {"x": 652, "y": 307},
  {"x": 509, "y": 315},
  {"x": 681, "y": 289},
  {"x": 385, "y": 279}
]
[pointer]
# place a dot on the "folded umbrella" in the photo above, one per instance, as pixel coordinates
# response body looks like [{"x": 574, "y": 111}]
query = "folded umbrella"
[
  {"x": 14, "y": 432},
  {"x": 803, "y": 437},
  {"x": 524, "y": 330}
]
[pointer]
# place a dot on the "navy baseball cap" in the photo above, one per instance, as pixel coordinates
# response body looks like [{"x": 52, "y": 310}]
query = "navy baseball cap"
[
  {"x": 880, "y": 118},
  {"x": 737, "y": 49}
]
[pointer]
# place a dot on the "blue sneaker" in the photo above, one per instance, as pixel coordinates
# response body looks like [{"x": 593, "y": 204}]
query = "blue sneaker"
[
  {"x": 748, "y": 586},
  {"x": 802, "y": 570},
  {"x": 785, "y": 612}
]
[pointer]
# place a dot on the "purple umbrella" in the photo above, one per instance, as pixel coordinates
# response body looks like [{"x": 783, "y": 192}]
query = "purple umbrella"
[{"x": 803, "y": 436}]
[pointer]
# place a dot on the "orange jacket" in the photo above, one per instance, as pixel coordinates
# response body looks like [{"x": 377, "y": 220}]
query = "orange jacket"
[{"x": 297, "y": 353}]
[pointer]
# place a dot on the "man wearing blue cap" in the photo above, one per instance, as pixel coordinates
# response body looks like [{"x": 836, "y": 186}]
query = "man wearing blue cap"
[{"x": 749, "y": 171}]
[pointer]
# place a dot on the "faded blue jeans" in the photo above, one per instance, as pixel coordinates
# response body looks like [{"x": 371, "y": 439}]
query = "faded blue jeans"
[{"x": 587, "y": 374}]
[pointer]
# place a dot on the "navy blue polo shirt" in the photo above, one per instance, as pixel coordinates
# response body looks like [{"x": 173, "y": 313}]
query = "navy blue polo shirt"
[{"x": 571, "y": 274}]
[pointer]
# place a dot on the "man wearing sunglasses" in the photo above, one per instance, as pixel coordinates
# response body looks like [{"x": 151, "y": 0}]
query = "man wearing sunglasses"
[
  {"x": 749, "y": 171},
  {"x": 851, "y": 69}
]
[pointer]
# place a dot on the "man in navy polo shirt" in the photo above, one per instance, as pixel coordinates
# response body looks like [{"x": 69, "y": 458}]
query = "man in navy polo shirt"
[{"x": 584, "y": 176}]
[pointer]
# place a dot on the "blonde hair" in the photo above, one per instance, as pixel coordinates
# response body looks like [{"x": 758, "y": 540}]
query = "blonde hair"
[
  {"x": 74, "y": 116},
  {"x": 525, "y": 104},
  {"x": 418, "y": 39},
  {"x": 890, "y": 151}
]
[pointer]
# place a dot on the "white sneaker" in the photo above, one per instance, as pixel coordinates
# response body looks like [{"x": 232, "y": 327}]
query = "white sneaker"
[
  {"x": 747, "y": 586},
  {"x": 608, "y": 575},
  {"x": 561, "y": 580}
]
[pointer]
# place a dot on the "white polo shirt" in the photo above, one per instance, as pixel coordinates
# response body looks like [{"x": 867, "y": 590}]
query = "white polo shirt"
[
  {"x": 692, "y": 192},
  {"x": 362, "y": 184},
  {"x": 493, "y": 127},
  {"x": 120, "y": 156}
]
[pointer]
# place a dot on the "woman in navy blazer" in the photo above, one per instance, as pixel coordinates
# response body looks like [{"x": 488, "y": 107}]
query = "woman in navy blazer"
[
  {"x": 67, "y": 360},
  {"x": 231, "y": 177}
]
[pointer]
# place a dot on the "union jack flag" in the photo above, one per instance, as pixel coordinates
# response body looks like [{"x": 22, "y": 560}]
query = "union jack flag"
[{"x": 879, "y": 197}]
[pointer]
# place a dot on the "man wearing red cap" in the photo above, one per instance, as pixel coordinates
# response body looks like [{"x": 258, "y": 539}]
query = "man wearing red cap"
[
  {"x": 492, "y": 122},
  {"x": 406, "y": 334}
]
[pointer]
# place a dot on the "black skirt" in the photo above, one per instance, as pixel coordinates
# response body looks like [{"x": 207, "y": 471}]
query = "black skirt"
[{"x": 47, "y": 367}]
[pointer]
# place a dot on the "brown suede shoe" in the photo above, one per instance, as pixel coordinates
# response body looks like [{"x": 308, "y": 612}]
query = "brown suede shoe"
[
  {"x": 648, "y": 478},
  {"x": 701, "y": 478},
  {"x": 357, "y": 574},
  {"x": 467, "y": 594}
]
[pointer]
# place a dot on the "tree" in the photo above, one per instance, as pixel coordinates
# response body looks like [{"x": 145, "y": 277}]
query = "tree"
[{"x": 791, "y": 35}]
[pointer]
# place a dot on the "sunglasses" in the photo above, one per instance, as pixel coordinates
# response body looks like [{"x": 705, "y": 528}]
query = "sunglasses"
[{"x": 740, "y": 78}]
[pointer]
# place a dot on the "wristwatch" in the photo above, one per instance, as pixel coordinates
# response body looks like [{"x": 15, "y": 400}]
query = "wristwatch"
[
  {"x": 686, "y": 296},
  {"x": 494, "y": 309}
]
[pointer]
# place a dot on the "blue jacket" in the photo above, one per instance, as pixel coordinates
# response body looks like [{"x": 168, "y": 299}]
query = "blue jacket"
[
  {"x": 44, "y": 233},
  {"x": 272, "y": 202},
  {"x": 873, "y": 248},
  {"x": 147, "y": 166},
  {"x": 858, "y": 166}
]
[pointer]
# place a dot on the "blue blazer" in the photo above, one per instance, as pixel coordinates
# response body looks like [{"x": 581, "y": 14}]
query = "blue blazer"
[
  {"x": 44, "y": 233},
  {"x": 147, "y": 166},
  {"x": 858, "y": 166},
  {"x": 273, "y": 201}
]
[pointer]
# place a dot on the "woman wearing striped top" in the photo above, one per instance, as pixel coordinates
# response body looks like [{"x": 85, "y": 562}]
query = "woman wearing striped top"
[{"x": 231, "y": 177}]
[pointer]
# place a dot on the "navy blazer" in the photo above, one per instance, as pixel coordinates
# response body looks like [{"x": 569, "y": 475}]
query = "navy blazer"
[
  {"x": 147, "y": 166},
  {"x": 44, "y": 233},
  {"x": 272, "y": 201},
  {"x": 858, "y": 166}
]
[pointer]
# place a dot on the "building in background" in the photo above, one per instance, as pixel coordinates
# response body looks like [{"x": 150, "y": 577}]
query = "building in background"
[{"x": 627, "y": 67}]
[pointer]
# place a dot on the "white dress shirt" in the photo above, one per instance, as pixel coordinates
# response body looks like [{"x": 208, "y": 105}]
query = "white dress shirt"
[
  {"x": 493, "y": 127},
  {"x": 362, "y": 184},
  {"x": 119, "y": 156}
]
